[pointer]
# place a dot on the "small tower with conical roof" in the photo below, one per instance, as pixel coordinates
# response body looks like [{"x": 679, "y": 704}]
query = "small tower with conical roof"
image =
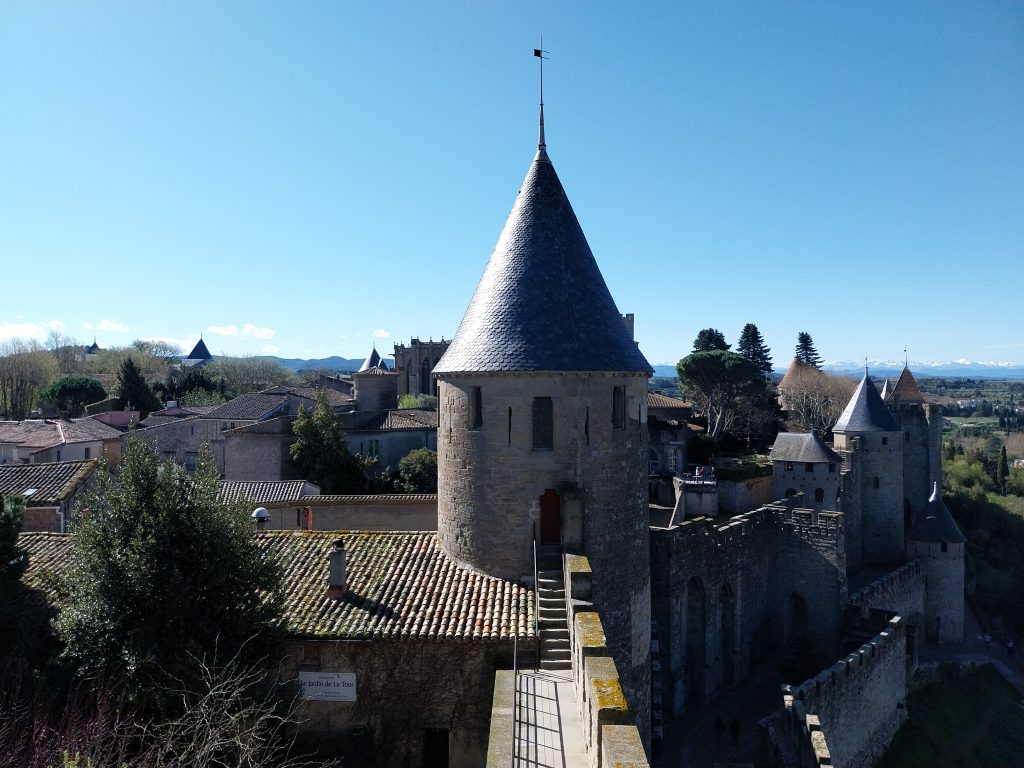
[
  {"x": 375, "y": 388},
  {"x": 542, "y": 423},
  {"x": 922, "y": 441},
  {"x": 936, "y": 540},
  {"x": 872, "y": 485}
]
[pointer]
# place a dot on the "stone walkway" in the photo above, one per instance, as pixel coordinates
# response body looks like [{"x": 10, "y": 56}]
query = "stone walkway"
[{"x": 549, "y": 732}]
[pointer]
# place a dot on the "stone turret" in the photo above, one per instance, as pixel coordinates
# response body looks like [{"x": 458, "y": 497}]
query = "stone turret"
[
  {"x": 542, "y": 401},
  {"x": 375, "y": 388},
  {"x": 922, "y": 442},
  {"x": 872, "y": 487},
  {"x": 936, "y": 540}
]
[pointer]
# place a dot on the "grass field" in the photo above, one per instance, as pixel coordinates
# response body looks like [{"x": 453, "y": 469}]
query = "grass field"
[{"x": 965, "y": 721}]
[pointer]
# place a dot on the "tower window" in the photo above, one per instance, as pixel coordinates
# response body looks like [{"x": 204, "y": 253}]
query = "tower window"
[
  {"x": 619, "y": 407},
  {"x": 874, "y": 483},
  {"x": 819, "y": 495},
  {"x": 476, "y": 408},
  {"x": 945, "y": 546},
  {"x": 885, "y": 441},
  {"x": 789, "y": 466},
  {"x": 808, "y": 466},
  {"x": 831, "y": 467},
  {"x": 510, "y": 425},
  {"x": 586, "y": 425},
  {"x": 543, "y": 424}
]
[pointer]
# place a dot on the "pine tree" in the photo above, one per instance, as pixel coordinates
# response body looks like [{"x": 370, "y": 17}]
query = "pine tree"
[
  {"x": 710, "y": 339},
  {"x": 805, "y": 351},
  {"x": 752, "y": 347},
  {"x": 320, "y": 453},
  {"x": 1002, "y": 470},
  {"x": 133, "y": 389}
]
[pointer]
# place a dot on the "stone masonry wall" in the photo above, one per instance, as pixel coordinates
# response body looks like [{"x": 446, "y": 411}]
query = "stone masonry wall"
[
  {"x": 880, "y": 459},
  {"x": 490, "y": 482},
  {"x": 900, "y": 591},
  {"x": 944, "y": 589},
  {"x": 860, "y": 701},
  {"x": 416, "y": 512},
  {"x": 402, "y": 688},
  {"x": 738, "y": 496}
]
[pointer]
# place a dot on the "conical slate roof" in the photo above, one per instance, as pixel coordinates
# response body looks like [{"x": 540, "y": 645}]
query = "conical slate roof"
[
  {"x": 886, "y": 389},
  {"x": 866, "y": 412},
  {"x": 802, "y": 447},
  {"x": 906, "y": 389},
  {"x": 372, "y": 360},
  {"x": 542, "y": 304},
  {"x": 935, "y": 523},
  {"x": 199, "y": 351}
]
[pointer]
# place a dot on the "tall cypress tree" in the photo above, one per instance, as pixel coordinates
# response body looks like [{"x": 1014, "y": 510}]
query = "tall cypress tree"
[
  {"x": 805, "y": 351},
  {"x": 133, "y": 389},
  {"x": 751, "y": 345}
]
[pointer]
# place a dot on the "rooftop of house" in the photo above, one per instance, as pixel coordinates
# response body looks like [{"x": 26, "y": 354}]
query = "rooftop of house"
[
  {"x": 52, "y": 483},
  {"x": 337, "y": 399},
  {"x": 542, "y": 303},
  {"x": 663, "y": 402},
  {"x": 398, "y": 419},
  {"x": 262, "y": 491},
  {"x": 254, "y": 407},
  {"x": 41, "y": 434},
  {"x": 802, "y": 447},
  {"x": 401, "y": 586}
]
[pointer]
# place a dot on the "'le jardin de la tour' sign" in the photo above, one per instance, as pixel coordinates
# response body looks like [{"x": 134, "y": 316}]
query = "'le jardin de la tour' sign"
[{"x": 328, "y": 686}]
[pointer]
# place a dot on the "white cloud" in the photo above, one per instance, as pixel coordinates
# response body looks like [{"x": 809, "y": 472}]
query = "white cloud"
[
  {"x": 185, "y": 345},
  {"x": 380, "y": 333},
  {"x": 29, "y": 330},
  {"x": 107, "y": 325},
  {"x": 269, "y": 349},
  {"x": 258, "y": 332},
  {"x": 255, "y": 331}
]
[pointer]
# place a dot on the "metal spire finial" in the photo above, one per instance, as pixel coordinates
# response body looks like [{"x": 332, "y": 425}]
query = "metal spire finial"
[
  {"x": 906, "y": 358},
  {"x": 539, "y": 53}
]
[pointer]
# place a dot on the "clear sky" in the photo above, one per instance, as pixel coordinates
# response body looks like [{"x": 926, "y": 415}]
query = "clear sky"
[{"x": 310, "y": 178}]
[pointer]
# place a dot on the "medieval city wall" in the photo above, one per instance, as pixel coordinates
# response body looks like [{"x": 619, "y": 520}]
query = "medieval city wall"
[
  {"x": 738, "y": 496},
  {"x": 859, "y": 702},
  {"x": 943, "y": 575},
  {"x": 901, "y": 591}
]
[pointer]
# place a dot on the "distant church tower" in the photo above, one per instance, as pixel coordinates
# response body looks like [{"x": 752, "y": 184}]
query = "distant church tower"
[
  {"x": 871, "y": 495},
  {"x": 543, "y": 425}
]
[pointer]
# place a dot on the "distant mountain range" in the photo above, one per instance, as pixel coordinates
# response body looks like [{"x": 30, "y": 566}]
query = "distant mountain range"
[
  {"x": 878, "y": 368},
  {"x": 921, "y": 369}
]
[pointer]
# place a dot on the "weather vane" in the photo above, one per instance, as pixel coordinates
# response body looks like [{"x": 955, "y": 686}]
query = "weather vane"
[{"x": 539, "y": 53}]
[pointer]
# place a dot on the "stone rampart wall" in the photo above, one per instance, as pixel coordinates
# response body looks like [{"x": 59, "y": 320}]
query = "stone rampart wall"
[
  {"x": 900, "y": 591},
  {"x": 610, "y": 733},
  {"x": 859, "y": 702},
  {"x": 738, "y": 496}
]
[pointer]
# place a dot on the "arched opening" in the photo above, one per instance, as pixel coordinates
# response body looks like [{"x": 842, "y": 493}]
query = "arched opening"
[
  {"x": 797, "y": 624},
  {"x": 550, "y": 518},
  {"x": 653, "y": 462},
  {"x": 874, "y": 483},
  {"x": 819, "y": 495},
  {"x": 696, "y": 639},
  {"x": 727, "y": 634}
]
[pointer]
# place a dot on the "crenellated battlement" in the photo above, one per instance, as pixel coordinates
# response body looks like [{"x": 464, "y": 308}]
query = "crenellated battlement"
[{"x": 881, "y": 592}]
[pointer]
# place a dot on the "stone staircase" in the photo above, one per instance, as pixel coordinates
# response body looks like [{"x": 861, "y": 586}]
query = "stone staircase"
[{"x": 551, "y": 619}]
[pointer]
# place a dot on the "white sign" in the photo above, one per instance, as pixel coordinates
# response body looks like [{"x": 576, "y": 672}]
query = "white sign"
[{"x": 328, "y": 686}]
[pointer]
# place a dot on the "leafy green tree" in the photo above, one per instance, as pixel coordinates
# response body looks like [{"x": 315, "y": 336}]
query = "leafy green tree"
[
  {"x": 133, "y": 389},
  {"x": 805, "y": 351},
  {"x": 13, "y": 560},
  {"x": 417, "y": 472},
  {"x": 320, "y": 452},
  {"x": 718, "y": 382},
  {"x": 751, "y": 345},
  {"x": 710, "y": 339},
  {"x": 162, "y": 579},
  {"x": 72, "y": 393}
]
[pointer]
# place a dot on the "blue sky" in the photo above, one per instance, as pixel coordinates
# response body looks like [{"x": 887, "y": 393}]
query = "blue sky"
[{"x": 311, "y": 178}]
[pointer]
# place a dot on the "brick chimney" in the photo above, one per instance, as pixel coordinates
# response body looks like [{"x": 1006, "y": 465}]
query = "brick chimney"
[{"x": 337, "y": 577}]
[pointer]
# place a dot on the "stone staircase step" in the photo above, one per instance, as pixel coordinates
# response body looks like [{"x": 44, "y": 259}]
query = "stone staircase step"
[{"x": 555, "y": 664}]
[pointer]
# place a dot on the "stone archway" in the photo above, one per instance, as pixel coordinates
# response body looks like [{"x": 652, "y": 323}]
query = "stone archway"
[
  {"x": 550, "y": 517},
  {"x": 696, "y": 641},
  {"x": 727, "y": 634}
]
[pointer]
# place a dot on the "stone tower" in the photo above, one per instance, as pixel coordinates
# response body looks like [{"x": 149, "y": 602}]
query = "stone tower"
[
  {"x": 922, "y": 442},
  {"x": 871, "y": 495},
  {"x": 542, "y": 423},
  {"x": 936, "y": 540},
  {"x": 375, "y": 388}
]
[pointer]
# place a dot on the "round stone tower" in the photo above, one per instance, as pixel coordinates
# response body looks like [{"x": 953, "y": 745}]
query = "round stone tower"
[
  {"x": 936, "y": 540},
  {"x": 872, "y": 490},
  {"x": 542, "y": 423}
]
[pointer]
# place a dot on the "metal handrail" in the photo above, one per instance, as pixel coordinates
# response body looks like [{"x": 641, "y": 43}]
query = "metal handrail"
[{"x": 515, "y": 696}]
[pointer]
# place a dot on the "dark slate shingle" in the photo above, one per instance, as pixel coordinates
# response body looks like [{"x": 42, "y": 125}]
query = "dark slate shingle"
[
  {"x": 542, "y": 304},
  {"x": 866, "y": 412}
]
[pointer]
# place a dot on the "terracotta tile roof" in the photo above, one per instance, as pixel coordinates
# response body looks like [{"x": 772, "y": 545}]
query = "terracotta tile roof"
[
  {"x": 261, "y": 491},
  {"x": 368, "y": 500},
  {"x": 33, "y": 601},
  {"x": 54, "y": 482},
  {"x": 906, "y": 389},
  {"x": 255, "y": 407},
  {"x": 86, "y": 430},
  {"x": 403, "y": 418},
  {"x": 41, "y": 434},
  {"x": 336, "y": 398},
  {"x": 656, "y": 400},
  {"x": 400, "y": 586}
]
